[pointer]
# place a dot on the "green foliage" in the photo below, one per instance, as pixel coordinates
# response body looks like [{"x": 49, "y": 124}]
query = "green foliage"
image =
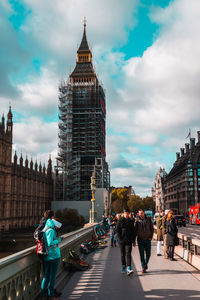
[
  {"x": 148, "y": 203},
  {"x": 70, "y": 216},
  {"x": 135, "y": 203},
  {"x": 119, "y": 198}
]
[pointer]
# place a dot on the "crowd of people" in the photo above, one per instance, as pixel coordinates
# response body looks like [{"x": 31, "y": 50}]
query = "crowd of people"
[{"x": 127, "y": 229}]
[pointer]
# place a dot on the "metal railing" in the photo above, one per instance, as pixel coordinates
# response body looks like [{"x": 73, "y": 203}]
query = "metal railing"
[{"x": 21, "y": 273}]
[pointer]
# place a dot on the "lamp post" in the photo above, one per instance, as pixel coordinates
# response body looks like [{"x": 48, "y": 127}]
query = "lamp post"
[
  {"x": 93, "y": 213},
  {"x": 106, "y": 206}
]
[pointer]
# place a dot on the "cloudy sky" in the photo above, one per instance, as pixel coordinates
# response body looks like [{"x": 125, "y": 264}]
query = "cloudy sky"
[{"x": 145, "y": 52}]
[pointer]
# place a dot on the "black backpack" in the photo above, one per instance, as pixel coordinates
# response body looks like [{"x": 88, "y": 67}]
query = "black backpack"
[{"x": 41, "y": 249}]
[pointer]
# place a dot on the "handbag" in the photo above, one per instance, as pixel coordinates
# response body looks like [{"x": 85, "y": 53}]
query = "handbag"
[{"x": 176, "y": 242}]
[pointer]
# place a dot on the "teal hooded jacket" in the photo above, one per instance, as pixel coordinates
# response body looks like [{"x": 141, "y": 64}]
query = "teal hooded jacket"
[{"x": 51, "y": 241}]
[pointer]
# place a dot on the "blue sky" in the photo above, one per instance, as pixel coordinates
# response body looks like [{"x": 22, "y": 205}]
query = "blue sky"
[{"x": 145, "y": 52}]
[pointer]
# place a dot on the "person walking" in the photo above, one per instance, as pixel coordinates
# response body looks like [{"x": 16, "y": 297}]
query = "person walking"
[
  {"x": 144, "y": 232},
  {"x": 159, "y": 224},
  {"x": 126, "y": 235},
  {"x": 172, "y": 231},
  {"x": 164, "y": 232},
  {"x": 52, "y": 260},
  {"x": 113, "y": 232}
]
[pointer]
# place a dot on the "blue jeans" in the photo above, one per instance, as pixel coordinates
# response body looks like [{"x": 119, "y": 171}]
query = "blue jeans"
[
  {"x": 49, "y": 279},
  {"x": 144, "y": 248}
]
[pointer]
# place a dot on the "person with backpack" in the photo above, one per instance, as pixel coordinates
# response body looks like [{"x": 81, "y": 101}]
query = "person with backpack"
[
  {"x": 159, "y": 224},
  {"x": 172, "y": 231},
  {"x": 51, "y": 259}
]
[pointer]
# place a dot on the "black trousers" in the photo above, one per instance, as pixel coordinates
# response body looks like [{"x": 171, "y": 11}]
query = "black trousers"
[
  {"x": 125, "y": 254},
  {"x": 145, "y": 251},
  {"x": 171, "y": 251}
]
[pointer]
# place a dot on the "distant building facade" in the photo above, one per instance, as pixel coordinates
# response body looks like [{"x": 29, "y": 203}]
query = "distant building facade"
[
  {"x": 182, "y": 184},
  {"x": 158, "y": 190},
  {"x": 25, "y": 190}
]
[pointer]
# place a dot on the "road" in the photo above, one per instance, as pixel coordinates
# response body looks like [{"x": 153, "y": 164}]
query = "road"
[{"x": 191, "y": 230}]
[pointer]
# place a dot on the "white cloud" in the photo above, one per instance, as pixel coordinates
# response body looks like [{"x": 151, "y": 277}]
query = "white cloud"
[
  {"x": 166, "y": 77},
  {"x": 35, "y": 138},
  {"x": 40, "y": 94}
]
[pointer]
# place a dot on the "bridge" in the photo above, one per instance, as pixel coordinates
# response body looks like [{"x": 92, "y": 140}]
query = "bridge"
[{"x": 20, "y": 274}]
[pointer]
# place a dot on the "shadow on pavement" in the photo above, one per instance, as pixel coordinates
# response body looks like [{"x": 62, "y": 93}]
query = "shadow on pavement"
[{"x": 172, "y": 294}]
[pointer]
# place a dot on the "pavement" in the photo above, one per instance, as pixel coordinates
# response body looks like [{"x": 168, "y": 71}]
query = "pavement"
[{"x": 165, "y": 279}]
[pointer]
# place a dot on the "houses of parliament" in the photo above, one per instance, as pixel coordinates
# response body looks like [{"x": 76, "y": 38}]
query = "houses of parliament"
[{"x": 25, "y": 187}]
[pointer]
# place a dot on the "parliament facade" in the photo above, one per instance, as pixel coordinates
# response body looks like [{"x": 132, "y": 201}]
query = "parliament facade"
[{"x": 26, "y": 189}]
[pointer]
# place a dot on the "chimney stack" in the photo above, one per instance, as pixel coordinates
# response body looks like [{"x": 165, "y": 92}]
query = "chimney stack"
[
  {"x": 192, "y": 143},
  {"x": 198, "y": 134},
  {"x": 187, "y": 147},
  {"x": 182, "y": 151},
  {"x": 177, "y": 155}
]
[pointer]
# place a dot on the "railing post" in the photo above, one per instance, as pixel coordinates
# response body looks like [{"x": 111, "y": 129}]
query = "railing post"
[{"x": 195, "y": 250}]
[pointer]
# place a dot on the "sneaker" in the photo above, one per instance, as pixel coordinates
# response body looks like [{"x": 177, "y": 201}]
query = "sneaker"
[
  {"x": 129, "y": 270},
  {"x": 146, "y": 267},
  {"x": 159, "y": 254},
  {"x": 57, "y": 293},
  {"x": 123, "y": 269},
  {"x": 144, "y": 271}
]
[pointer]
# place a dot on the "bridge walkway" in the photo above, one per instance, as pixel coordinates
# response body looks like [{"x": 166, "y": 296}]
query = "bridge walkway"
[{"x": 165, "y": 279}]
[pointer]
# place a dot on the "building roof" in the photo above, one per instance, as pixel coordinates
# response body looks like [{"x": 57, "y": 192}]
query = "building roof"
[
  {"x": 85, "y": 69},
  {"x": 193, "y": 156},
  {"x": 84, "y": 47}
]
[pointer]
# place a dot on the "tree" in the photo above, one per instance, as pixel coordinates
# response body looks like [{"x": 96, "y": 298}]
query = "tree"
[
  {"x": 148, "y": 203},
  {"x": 134, "y": 203},
  {"x": 119, "y": 198}
]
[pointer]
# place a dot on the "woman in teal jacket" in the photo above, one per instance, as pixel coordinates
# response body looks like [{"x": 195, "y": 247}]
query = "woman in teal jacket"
[{"x": 51, "y": 261}]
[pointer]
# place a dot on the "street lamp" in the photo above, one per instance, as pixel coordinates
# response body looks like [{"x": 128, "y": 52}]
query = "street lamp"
[
  {"x": 106, "y": 206},
  {"x": 93, "y": 213}
]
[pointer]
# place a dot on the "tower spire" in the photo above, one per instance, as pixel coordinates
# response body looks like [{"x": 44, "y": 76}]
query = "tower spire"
[{"x": 85, "y": 22}]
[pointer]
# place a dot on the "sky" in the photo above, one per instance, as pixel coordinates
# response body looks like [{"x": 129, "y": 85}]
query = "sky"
[{"x": 145, "y": 53}]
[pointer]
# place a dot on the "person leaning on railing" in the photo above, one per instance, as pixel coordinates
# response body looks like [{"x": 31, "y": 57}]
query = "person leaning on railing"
[{"x": 52, "y": 260}]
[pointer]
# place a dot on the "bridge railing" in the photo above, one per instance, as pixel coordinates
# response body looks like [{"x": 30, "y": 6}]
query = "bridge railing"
[
  {"x": 188, "y": 248},
  {"x": 21, "y": 273}
]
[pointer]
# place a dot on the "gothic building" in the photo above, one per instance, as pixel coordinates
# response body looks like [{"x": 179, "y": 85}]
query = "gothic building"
[
  {"x": 158, "y": 190},
  {"x": 25, "y": 190},
  {"x": 82, "y": 133},
  {"x": 182, "y": 184}
]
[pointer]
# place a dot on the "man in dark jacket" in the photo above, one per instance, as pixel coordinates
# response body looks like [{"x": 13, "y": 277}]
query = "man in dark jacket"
[
  {"x": 126, "y": 235},
  {"x": 144, "y": 233}
]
